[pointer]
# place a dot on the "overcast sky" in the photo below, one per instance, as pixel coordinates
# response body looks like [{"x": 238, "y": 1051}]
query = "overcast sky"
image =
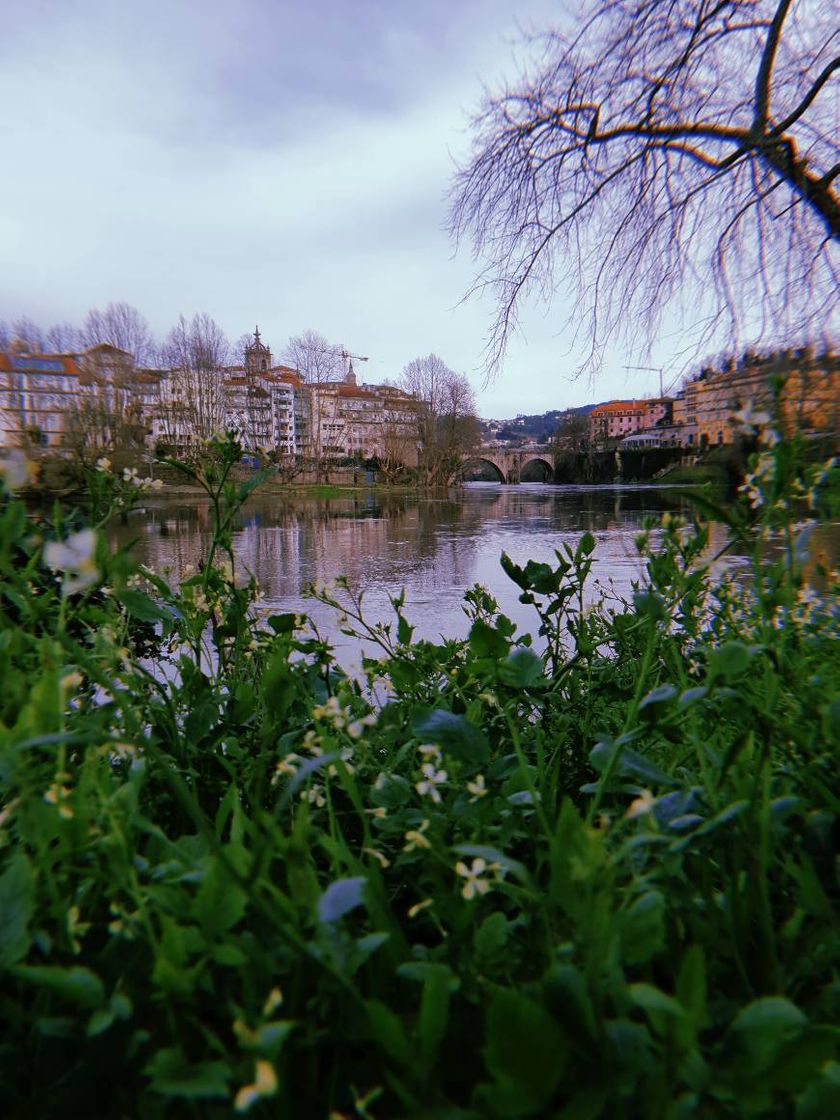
[{"x": 267, "y": 162}]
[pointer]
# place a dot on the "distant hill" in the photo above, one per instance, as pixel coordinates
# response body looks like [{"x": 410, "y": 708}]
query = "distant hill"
[{"x": 540, "y": 427}]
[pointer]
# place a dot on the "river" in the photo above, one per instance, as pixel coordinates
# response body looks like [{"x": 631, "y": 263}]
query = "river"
[{"x": 436, "y": 547}]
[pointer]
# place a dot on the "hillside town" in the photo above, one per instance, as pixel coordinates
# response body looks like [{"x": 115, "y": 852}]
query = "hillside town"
[
  {"x": 61, "y": 402},
  {"x": 54, "y": 401}
]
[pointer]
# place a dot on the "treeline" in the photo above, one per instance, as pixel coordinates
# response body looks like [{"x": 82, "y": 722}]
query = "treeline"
[{"x": 124, "y": 326}]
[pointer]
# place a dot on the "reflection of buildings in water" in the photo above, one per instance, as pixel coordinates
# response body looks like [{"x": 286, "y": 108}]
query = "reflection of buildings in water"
[
  {"x": 434, "y": 547},
  {"x": 166, "y": 538},
  {"x": 271, "y": 554}
]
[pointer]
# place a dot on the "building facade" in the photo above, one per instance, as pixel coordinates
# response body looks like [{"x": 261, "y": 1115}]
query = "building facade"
[
  {"x": 798, "y": 389},
  {"x": 46, "y": 399},
  {"x": 613, "y": 421}
]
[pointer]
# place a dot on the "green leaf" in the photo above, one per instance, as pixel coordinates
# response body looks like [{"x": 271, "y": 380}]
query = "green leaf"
[
  {"x": 422, "y": 970},
  {"x": 454, "y": 734},
  {"x": 229, "y": 955},
  {"x": 692, "y": 696},
  {"x": 691, "y": 985},
  {"x": 571, "y": 1001},
  {"x": 434, "y": 1014},
  {"x": 387, "y": 1029},
  {"x": 16, "y": 909},
  {"x": 718, "y": 821},
  {"x": 661, "y": 695},
  {"x": 390, "y": 791},
  {"x": 100, "y": 1021},
  {"x": 628, "y": 1051},
  {"x": 822, "y": 1097},
  {"x": 219, "y": 903},
  {"x": 490, "y": 938},
  {"x": 651, "y": 998},
  {"x": 203, "y": 717},
  {"x": 522, "y": 669},
  {"x": 278, "y": 685},
  {"x": 765, "y": 1025},
  {"x": 404, "y": 631},
  {"x": 630, "y": 763},
  {"x": 642, "y": 927},
  {"x": 487, "y": 641},
  {"x": 341, "y": 897},
  {"x": 271, "y": 1036},
  {"x": 586, "y": 544},
  {"x": 140, "y": 606},
  {"x": 76, "y": 985},
  {"x": 730, "y": 660},
  {"x": 173, "y": 1076},
  {"x": 526, "y": 1054},
  {"x": 282, "y": 623}
]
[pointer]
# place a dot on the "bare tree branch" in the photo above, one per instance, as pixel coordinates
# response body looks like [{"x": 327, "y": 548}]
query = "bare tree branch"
[{"x": 668, "y": 154}]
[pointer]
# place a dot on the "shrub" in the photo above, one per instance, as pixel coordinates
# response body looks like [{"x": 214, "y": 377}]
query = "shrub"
[{"x": 590, "y": 874}]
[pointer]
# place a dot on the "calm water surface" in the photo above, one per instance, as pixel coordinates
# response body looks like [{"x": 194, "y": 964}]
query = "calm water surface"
[{"x": 434, "y": 547}]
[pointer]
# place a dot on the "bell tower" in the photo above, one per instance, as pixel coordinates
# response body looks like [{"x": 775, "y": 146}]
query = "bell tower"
[{"x": 257, "y": 357}]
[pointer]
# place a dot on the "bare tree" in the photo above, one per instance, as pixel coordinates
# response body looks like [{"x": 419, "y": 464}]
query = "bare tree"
[
  {"x": 123, "y": 326},
  {"x": 197, "y": 352},
  {"x": 315, "y": 359},
  {"x": 63, "y": 338},
  {"x": 28, "y": 332},
  {"x": 111, "y": 424},
  {"x": 447, "y": 426},
  {"x": 571, "y": 445},
  {"x": 665, "y": 154},
  {"x": 325, "y": 425},
  {"x": 243, "y": 343}
]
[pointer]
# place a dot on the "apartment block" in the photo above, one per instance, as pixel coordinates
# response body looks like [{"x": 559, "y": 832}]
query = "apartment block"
[{"x": 617, "y": 419}]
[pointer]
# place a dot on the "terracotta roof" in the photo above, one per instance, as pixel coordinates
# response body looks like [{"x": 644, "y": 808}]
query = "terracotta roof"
[
  {"x": 39, "y": 363},
  {"x": 616, "y": 406},
  {"x": 345, "y": 390},
  {"x": 107, "y": 346},
  {"x": 143, "y": 377}
]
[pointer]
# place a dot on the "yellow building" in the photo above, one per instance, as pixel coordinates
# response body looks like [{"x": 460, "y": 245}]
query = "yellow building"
[{"x": 799, "y": 389}]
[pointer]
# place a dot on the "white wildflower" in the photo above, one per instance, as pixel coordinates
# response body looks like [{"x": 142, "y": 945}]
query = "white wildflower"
[
  {"x": 432, "y": 778},
  {"x": 75, "y": 558},
  {"x": 476, "y": 876},
  {"x": 17, "y": 472}
]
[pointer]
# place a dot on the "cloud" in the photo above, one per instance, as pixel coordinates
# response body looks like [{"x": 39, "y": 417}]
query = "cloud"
[{"x": 261, "y": 161}]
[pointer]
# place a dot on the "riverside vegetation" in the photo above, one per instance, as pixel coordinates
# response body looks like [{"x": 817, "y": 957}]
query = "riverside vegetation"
[{"x": 480, "y": 881}]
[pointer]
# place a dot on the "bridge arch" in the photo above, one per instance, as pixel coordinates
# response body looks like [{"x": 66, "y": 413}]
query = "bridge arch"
[
  {"x": 537, "y": 465},
  {"x": 472, "y": 465}
]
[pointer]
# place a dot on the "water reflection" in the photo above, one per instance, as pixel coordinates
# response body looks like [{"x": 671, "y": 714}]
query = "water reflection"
[{"x": 435, "y": 547}]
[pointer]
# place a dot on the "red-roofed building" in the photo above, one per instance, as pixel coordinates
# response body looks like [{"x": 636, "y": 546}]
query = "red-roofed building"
[
  {"x": 617, "y": 419},
  {"x": 36, "y": 391}
]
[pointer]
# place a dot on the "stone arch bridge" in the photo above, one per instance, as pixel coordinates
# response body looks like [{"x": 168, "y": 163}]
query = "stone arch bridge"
[{"x": 509, "y": 463}]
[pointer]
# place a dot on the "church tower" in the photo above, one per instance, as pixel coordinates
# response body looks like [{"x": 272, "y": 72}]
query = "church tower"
[{"x": 257, "y": 357}]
